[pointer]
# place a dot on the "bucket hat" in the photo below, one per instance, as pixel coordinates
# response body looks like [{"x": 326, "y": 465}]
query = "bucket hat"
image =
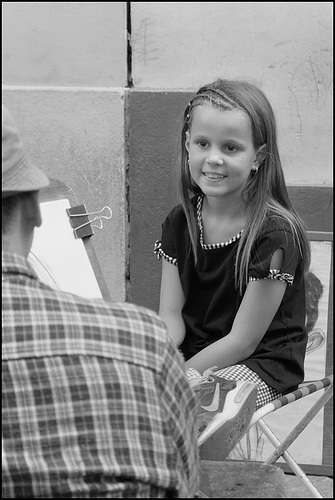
[{"x": 19, "y": 174}]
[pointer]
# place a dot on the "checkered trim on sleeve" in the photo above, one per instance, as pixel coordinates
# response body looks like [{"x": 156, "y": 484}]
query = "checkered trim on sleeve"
[
  {"x": 212, "y": 246},
  {"x": 276, "y": 274},
  {"x": 160, "y": 253}
]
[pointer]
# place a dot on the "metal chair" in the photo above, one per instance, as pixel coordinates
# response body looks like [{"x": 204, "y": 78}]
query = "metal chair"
[
  {"x": 304, "y": 390},
  {"x": 316, "y": 339},
  {"x": 322, "y": 386}
]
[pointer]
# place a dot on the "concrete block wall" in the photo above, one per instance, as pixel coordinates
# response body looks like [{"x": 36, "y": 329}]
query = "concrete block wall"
[
  {"x": 64, "y": 79},
  {"x": 105, "y": 121},
  {"x": 283, "y": 47}
]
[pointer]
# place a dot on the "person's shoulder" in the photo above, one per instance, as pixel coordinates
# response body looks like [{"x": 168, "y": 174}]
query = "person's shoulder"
[
  {"x": 118, "y": 330},
  {"x": 177, "y": 213},
  {"x": 136, "y": 313},
  {"x": 123, "y": 312},
  {"x": 276, "y": 224}
]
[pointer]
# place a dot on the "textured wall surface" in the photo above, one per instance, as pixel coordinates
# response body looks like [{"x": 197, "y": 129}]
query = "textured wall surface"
[
  {"x": 64, "y": 43},
  {"x": 77, "y": 136},
  {"x": 284, "y": 47},
  {"x": 64, "y": 78},
  {"x": 153, "y": 188}
]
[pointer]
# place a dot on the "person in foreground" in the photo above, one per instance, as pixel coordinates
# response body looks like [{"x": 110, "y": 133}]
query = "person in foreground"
[
  {"x": 234, "y": 259},
  {"x": 95, "y": 400}
]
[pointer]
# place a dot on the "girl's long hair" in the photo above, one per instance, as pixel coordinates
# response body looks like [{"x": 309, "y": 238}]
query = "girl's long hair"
[{"x": 265, "y": 193}]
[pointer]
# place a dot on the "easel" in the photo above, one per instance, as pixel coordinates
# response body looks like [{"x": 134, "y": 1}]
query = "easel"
[{"x": 81, "y": 224}]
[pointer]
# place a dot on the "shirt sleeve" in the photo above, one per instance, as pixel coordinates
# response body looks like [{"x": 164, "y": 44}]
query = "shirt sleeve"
[
  {"x": 261, "y": 256},
  {"x": 165, "y": 247}
]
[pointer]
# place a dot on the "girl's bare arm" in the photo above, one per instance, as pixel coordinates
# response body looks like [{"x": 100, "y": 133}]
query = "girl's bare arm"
[{"x": 172, "y": 300}]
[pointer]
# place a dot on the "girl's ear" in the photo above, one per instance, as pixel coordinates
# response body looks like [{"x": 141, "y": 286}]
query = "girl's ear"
[
  {"x": 187, "y": 142},
  {"x": 260, "y": 155}
]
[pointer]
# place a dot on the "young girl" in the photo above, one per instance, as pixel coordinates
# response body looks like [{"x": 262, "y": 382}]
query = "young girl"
[{"x": 235, "y": 252}]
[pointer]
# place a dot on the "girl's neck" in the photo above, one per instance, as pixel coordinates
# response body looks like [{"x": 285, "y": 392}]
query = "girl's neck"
[
  {"x": 221, "y": 221},
  {"x": 225, "y": 208}
]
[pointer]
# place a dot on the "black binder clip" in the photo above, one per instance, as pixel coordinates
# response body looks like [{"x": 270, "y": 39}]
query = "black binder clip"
[{"x": 81, "y": 224}]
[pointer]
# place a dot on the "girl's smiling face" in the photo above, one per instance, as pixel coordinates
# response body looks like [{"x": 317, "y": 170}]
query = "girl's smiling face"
[{"x": 221, "y": 150}]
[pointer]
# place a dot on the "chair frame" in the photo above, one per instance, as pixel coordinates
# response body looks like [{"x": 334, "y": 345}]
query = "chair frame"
[{"x": 304, "y": 390}]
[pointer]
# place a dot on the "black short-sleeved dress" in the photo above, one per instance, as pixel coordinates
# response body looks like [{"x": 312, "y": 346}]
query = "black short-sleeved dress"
[{"x": 212, "y": 300}]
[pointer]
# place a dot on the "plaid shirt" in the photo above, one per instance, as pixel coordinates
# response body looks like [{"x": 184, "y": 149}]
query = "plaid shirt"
[{"x": 95, "y": 401}]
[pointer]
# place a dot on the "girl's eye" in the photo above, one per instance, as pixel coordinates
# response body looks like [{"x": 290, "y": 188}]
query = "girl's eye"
[
  {"x": 231, "y": 148},
  {"x": 202, "y": 144}
]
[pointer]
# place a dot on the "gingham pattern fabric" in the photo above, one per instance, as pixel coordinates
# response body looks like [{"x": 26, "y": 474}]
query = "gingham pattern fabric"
[
  {"x": 276, "y": 274},
  {"x": 95, "y": 401},
  {"x": 265, "y": 393},
  {"x": 159, "y": 253}
]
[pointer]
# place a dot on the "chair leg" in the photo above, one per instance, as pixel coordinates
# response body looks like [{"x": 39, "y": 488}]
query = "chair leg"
[
  {"x": 289, "y": 460},
  {"x": 301, "y": 425}
]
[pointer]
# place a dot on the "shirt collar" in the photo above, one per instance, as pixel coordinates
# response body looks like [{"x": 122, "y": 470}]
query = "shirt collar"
[{"x": 13, "y": 263}]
